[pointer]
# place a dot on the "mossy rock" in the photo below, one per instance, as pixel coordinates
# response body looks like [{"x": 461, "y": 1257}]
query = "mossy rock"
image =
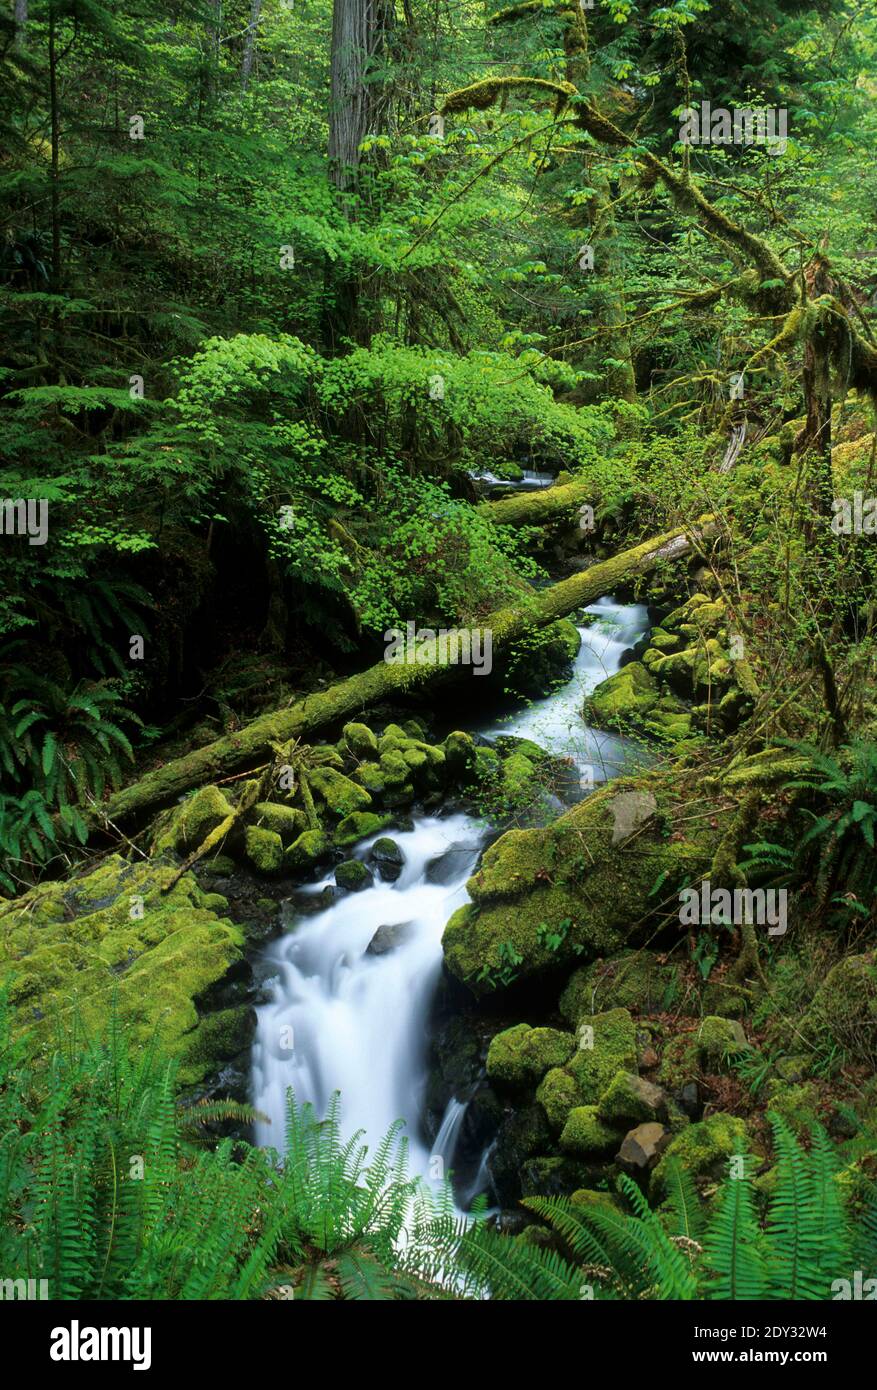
[
  {"x": 703, "y": 1150},
  {"x": 340, "y": 794},
  {"x": 394, "y": 769},
  {"x": 286, "y": 821},
  {"x": 843, "y": 1013},
  {"x": 358, "y": 826},
  {"x": 221, "y": 864},
  {"x": 624, "y": 699},
  {"x": 520, "y": 1056},
  {"x": 71, "y": 948},
  {"x": 371, "y": 776},
  {"x": 263, "y": 849},
  {"x": 711, "y": 1047},
  {"x": 607, "y": 1044},
  {"x": 565, "y": 893},
  {"x": 353, "y": 876},
  {"x": 631, "y": 1100},
  {"x": 549, "y": 1175},
  {"x": 558, "y": 1094},
  {"x": 586, "y": 1134},
  {"x": 198, "y": 815},
  {"x": 459, "y": 751},
  {"x": 360, "y": 740},
  {"x": 308, "y": 850},
  {"x": 635, "y": 980}
]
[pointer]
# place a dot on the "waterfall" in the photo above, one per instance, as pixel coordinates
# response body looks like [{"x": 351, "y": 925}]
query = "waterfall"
[{"x": 348, "y": 1012}]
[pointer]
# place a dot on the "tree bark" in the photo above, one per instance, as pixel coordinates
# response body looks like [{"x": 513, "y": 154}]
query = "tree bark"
[
  {"x": 249, "y": 746},
  {"x": 20, "y": 24},
  {"x": 250, "y": 43},
  {"x": 550, "y": 504},
  {"x": 358, "y": 32}
]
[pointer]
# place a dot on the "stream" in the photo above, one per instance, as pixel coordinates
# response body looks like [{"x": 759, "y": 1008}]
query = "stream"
[{"x": 348, "y": 1012}]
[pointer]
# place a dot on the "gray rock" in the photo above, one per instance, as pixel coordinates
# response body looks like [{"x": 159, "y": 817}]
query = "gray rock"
[
  {"x": 388, "y": 937},
  {"x": 642, "y": 1147},
  {"x": 387, "y": 858}
]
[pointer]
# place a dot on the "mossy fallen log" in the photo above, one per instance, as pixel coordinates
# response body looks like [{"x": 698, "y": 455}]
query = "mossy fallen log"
[
  {"x": 247, "y": 747},
  {"x": 549, "y": 504}
]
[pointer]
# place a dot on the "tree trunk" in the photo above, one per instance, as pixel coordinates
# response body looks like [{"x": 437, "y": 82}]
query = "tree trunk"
[
  {"x": 248, "y": 746},
  {"x": 250, "y": 43},
  {"x": 358, "y": 32},
  {"x": 20, "y": 24}
]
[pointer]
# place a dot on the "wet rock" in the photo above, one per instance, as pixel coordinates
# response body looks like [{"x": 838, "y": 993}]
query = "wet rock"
[
  {"x": 388, "y": 937},
  {"x": 353, "y": 876},
  {"x": 451, "y": 865},
  {"x": 387, "y": 858},
  {"x": 688, "y": 1098}
]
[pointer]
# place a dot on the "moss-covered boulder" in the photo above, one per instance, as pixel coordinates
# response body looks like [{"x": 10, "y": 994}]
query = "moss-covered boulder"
[
  {"x": 585, "y": 1133},
  {"x": 630, "y": 1099},
  {"x": 198, "y": 815},
  {"x": 703, "y": 1150},
  {"x": 843, "y": 1014},
  {"x": 286, "y": 821},
  {"x": 624, "y": 699},
  {"x": 371, "y": 776},
  {"x": 567, "y": 892},
  {"x": 120, "y": 932},
  {"x": 520, "y": 1056},
  {"x": 263, "y": 849},
  {"x": 607, "y": 1044},
  {"x": 558, "y": 1094},
  {"x": 360, "y": 740},
  {"x": 635, "y": 980},
  {"x": 341, "y": 795},
  {"x": 353, "y": 876},
  {"x": 711, "y": 1047},
  {"x": 311, "y": 847},
  {"x": 459, "y": 751},
  {"x": 358, "y": 826}
]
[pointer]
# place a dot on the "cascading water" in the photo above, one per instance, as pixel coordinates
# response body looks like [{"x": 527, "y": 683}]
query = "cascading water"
[{"x": 348, "y": 1011}]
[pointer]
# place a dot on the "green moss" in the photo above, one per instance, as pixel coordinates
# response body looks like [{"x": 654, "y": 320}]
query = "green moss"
[
  {"x": 394, "y": 768},
  {"x": 358, "y": 826},
  {"x": 264, "y": 849},
  {"x": 558, "y": 1093},
  {"x": 221, "y": 864},
  {"x": 360, "y": 740},
  {"x": 115, "y": 934},
  {"x": 607, "y": 1044},
  {"x": 198, "y": 815},
  {"x": 635, "y": 980},
  {"x": 286, "y": 821},
  {"x": 585, "y": 1133},
  {"x": 711, "y": 1047},
  {"x": 624, "y": 699},
  {"x": 353, "y": 875},
  {"x": 518, "y": 774},
  {"x": 631, "y": 1100},
  {"x": 843, "y": 1015},
  {"x": 341, "y": 795},
  {"x": 307, "y": 851},
  {"x": 703, "y": 1150},
  {"x": 371, "y": 777},
  {"x": 459, "y": 751},
  {"x": 567, "y": 881},
  {"x": 521, "y": 1056}
]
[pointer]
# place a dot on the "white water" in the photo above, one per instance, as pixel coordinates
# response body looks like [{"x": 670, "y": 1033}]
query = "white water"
[{"x": 343, "y": 1019}]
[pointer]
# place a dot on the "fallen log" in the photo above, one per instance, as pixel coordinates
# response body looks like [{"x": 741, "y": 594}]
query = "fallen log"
[
  {"x": 549, "y": 504},
  {"x": 247, "y": 747}
]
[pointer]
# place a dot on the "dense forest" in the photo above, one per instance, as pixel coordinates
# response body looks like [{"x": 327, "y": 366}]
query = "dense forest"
[{"x": 438, "y": 650}]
